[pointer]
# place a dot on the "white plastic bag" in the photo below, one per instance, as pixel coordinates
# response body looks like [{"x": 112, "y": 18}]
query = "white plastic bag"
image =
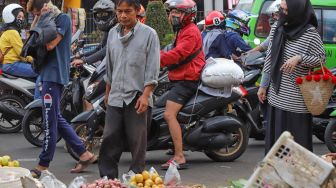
[
  {"x": 222, "y": 74},
  {"x": 172, "y": 176},
  {"x": 77, "y": 182},
  {"x": 48, "y": 180}
]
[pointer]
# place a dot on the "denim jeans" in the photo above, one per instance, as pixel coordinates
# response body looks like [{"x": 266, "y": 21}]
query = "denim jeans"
[{"x": 22, "y": 69}]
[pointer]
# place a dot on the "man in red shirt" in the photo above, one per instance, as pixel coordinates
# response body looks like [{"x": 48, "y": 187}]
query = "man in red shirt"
[{"x": 185, "y": 63}]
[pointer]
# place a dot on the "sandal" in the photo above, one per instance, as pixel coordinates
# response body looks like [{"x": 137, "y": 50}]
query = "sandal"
[
  {"x": 35, "y": 173},
  {"x": 83, "y": 164},
  {"x": 178, "y": 166}
]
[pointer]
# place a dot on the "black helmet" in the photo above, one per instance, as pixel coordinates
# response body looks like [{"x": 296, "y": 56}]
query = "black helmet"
[{"x": 104, "y": 14}]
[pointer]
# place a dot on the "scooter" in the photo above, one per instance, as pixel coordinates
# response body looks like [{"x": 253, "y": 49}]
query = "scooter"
[
  {"x": 17, "y": 92},
  {"x": 70, "y": 105},
  {"x": 249, "y": 108},
  {"x": 330, "y": 131},
  {"x": 205, "y": 126}
]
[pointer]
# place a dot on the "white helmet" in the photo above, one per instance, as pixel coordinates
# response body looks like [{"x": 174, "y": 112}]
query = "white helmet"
[
  {"x": 7, "y": 13},
  {"x": 274, "y": 7}
]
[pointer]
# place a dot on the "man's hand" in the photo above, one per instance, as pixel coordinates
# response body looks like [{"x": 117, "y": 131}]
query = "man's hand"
[
  {"x": 44, "y": 9},
  {"x": 107, "y": 93},
  {"x": 106, "y": 100},
  {"x": 262, "y": 94},
  {"x": 290, "y": 64},
  {"x": 77, "y": 62},
  {"x": 142, "y": 104}
]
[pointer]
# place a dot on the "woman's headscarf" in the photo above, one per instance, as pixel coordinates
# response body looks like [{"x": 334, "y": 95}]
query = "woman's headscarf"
[{"x": 301, "y": 16}]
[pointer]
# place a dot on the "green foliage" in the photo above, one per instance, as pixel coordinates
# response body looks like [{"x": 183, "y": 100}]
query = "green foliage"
[{"x": 156, "y": 17}]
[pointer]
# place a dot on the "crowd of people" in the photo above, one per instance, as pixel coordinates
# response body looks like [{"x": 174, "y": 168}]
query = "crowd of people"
[{"x": 131, "y": 51}]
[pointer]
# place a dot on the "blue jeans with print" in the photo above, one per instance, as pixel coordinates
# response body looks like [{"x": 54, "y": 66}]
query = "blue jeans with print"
[{"x": 22, "y": 69}]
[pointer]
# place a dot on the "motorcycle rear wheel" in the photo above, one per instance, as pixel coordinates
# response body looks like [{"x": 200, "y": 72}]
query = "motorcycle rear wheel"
[
  {"x": 330, "y": 136},
  {"x": 32, "y": 126},
  {"x": 231, "y": 153},
  {"x": 7, "y": 123},
  {"x": 91, "y": 146}
]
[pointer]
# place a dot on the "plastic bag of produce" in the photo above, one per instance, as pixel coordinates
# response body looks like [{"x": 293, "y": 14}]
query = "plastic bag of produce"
[
  {"x": 146, "y": 178},
  {"x": 104, "y": 183},
  {"x": 219, "y": 76},
  {"x": 77, "y": 182},
  {"x": 172, "y": 176},
  {"x": 49, "y": 180}
]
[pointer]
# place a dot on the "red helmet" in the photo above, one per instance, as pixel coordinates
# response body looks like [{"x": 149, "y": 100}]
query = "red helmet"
[
  {"x": 214, "y": 18},
  {"x": 188, "y": 7}
]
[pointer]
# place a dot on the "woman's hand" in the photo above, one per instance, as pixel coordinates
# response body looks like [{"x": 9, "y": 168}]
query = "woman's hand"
[
  {"x": 290, "y": 64},
  {"x": 262, "y": 94}
]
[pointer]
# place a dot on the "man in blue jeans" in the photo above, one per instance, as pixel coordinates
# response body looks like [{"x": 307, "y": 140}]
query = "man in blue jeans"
[{"x": 54, "y": 75}]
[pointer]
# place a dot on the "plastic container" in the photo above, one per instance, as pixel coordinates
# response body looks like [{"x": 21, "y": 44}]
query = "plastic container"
[
  {"x": 288, "y": 164},
  {"x": 10, "y": 176}
]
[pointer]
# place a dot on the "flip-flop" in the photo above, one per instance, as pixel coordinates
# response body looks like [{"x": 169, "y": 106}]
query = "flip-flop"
[
  {"x": 35, "y": 173},
  {"x": 178, "y": 166},
  {"x": 84, "y": 164}
]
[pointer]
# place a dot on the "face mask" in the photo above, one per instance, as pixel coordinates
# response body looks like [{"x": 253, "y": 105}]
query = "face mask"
[
  {"x": 20, "y": 23},
  {"x": 176, "y": 23}
]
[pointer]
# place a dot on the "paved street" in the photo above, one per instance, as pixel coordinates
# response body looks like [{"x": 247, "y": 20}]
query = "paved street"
[{"x": 202, "y": 169}]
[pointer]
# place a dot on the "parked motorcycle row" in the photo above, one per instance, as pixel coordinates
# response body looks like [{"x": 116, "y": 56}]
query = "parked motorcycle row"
[{"x": 218, "y": 126}]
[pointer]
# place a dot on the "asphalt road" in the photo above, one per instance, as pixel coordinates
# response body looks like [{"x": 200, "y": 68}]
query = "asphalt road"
[{"x": 202, "y": 170}]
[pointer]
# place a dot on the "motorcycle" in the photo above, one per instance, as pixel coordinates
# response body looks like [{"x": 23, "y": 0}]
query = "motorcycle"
[
  {"x": 70, "y": 105},
  {"x": 205, "y": 127},
  {"x": 330, "y": 131},
  {"x": 17, "y": 92},
  {"x": 249, "y": 108}
]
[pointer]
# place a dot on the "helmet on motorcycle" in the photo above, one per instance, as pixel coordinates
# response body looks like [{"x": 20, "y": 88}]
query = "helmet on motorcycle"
[
  {"x": 240, "y": 15},
  {"x": 273, "y": 11},
  {"x": 273, "y": 8},
  {"x": 141, "y": 14},
  {"x": 237, "y": 20},
  {"x": 187, "y": 7},
  {"x": 8, "y": 15},
  {"x": 214, "y": 18},
  {"x": 104, "y": 14}
]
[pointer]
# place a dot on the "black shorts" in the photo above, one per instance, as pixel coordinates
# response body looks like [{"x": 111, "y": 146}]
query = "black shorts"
[{"x": 182, "y": 91}]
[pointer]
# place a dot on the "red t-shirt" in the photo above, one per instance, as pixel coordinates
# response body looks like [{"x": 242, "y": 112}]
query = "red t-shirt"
[{"x": 189, "y": 40}]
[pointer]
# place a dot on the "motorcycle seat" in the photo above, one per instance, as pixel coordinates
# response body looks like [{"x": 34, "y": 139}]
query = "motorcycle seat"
[
  {"x": 250, "y": 77},
  {"x": 9, "y": 76}
]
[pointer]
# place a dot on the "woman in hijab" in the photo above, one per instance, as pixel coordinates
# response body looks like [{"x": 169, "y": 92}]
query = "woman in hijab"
[{"x": 295, "y": 48}]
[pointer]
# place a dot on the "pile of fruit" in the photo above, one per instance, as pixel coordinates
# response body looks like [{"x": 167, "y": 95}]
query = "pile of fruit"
[
  {"x": 105, "y": 183},
  {"x": 146, "y": 180},
  {"x": 6, "y": 161}
]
